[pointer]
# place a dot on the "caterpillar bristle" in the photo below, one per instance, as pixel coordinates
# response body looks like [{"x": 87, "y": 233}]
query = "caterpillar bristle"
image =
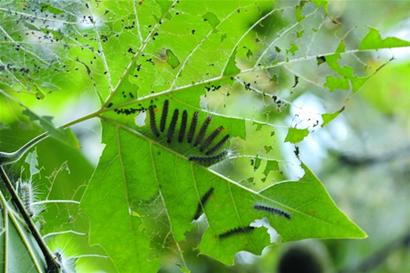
[
  {"x": 217, "y": 146},
  {"x": 208, "y": 160},
  {"x": 192, "y": 128},
  {"x": 211, "y": 138},
  {"x": 164, "y": 116},
  {"x": 152, "y": 121},
  {"x": 236, "y": 230},
  {"x": 26, "y": 195},
  {"x": 172, "y": 125},
  {"x": 202, "y": 131},
  {"x": 273, "y": 210},
  {"x": 182, "y": 129},
  {"x": 202, "y": 202}
]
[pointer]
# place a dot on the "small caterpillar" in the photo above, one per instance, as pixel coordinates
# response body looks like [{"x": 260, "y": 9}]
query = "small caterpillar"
[
  {"x": 217, "y": 146},
  {"x": 183, "y": 126},
  {"x": 202, "y": 131},
  {"x": 202, "y": 203},
  {"x": 192, "y": 128},
  {"x": 208, "y": 160},
  {"x": 273, "y": 210},
  {"x": 25, "y": 191},
  {"x": 236, "y": 230},
  {"x": 211, "y": 138},
  {"x": 152, "y": 122},
  {"x": 171, "y": 128},
  {"x": 164, "y": 116}
]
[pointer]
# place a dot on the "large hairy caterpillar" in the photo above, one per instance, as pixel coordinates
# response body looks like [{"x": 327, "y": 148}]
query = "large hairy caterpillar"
[
  {"x": 26, "y": 194},
  {"x": 202, "y": 203},
  {"x": 234, "y": 231},
  {"x": 273, "y": 210},
  {"x": 200, "y": 139}
]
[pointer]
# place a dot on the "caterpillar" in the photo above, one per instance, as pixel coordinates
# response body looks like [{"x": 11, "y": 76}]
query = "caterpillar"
[
  {"x": 192, "y": 128},
  {"x": 211, "y": 137},
  {"x": 208, "y": 160},
  {"x": 273, "y": 210},
  {"x": 25, "y": 191},
  {"x": 172, "y": 125},
  {"x": 217, "y": 146},
  {"x": 245, "y": 229},
  {"x": 164, "y": 116},
  {"x": 202, "y": 131},
  {"x": 202, "y": 203},
  {"x": 183, "y": 126},
  {"x": 152, "y": 120}
]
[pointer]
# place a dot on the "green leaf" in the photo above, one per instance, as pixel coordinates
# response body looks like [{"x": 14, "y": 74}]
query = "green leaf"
[
  {"x": 211, "y": 18},
  {"x": 328, "y": 117},
  {"x": 172, "y": 59},
  {"x": 148, "y": 179},
  {"x": 373, "y": 40},
  {"x": 231, "y": 68},
  {"x": 47, "y": 124},
  {"x": 296, "y": 135}
]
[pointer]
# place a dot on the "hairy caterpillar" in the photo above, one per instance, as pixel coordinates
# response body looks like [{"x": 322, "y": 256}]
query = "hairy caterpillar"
[
  {"x": 217, "y": 146},
  {"x": 245, "y": 229},
  {"x": 183, "y": 126},
  {"x": 152, "y": 121},
  {"x": 164, "y": 116},
  {"x": 202, "y": 131},
  {"x": 171, "y": 128},
  {"x": 273, "y": 210},
  {"x": 26, "y": 194},
  {"x": 192, "y": 128},
  {"x": 211, "y": 138},
  {"x": 208, "y": 160},
  {"x": 202, "y": 203}
]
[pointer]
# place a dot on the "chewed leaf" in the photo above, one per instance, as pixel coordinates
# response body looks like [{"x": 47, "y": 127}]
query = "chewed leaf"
[
  {"x": 328, "y": 117},
  {"x": 228, "y": 206},
  {"x": 47, "y": 124},
  {"x": 373, "y": 40},
  {"x": 172, "y": 59},
  {"x": 211, "y": 18},
  {"x": 296, "y": 135},
  {"x": 231, "y": 68}
]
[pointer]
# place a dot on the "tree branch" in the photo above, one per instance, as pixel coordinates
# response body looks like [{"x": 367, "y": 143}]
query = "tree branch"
[{"x": 53, "y": 266}]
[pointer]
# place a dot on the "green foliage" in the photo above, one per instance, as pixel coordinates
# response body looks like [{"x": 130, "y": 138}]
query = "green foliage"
[
  {"x": 296, "y": 135},
  {"x": 373, "y": 40},
  {"x": 328, "y": 117}
]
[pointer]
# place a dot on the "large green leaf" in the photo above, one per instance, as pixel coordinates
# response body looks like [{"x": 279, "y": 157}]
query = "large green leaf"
[{"x": 139, "y": 179}]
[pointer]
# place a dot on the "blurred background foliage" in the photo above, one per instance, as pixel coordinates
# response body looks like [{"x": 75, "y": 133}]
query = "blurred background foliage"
[{"x": 363, "y": 156}]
